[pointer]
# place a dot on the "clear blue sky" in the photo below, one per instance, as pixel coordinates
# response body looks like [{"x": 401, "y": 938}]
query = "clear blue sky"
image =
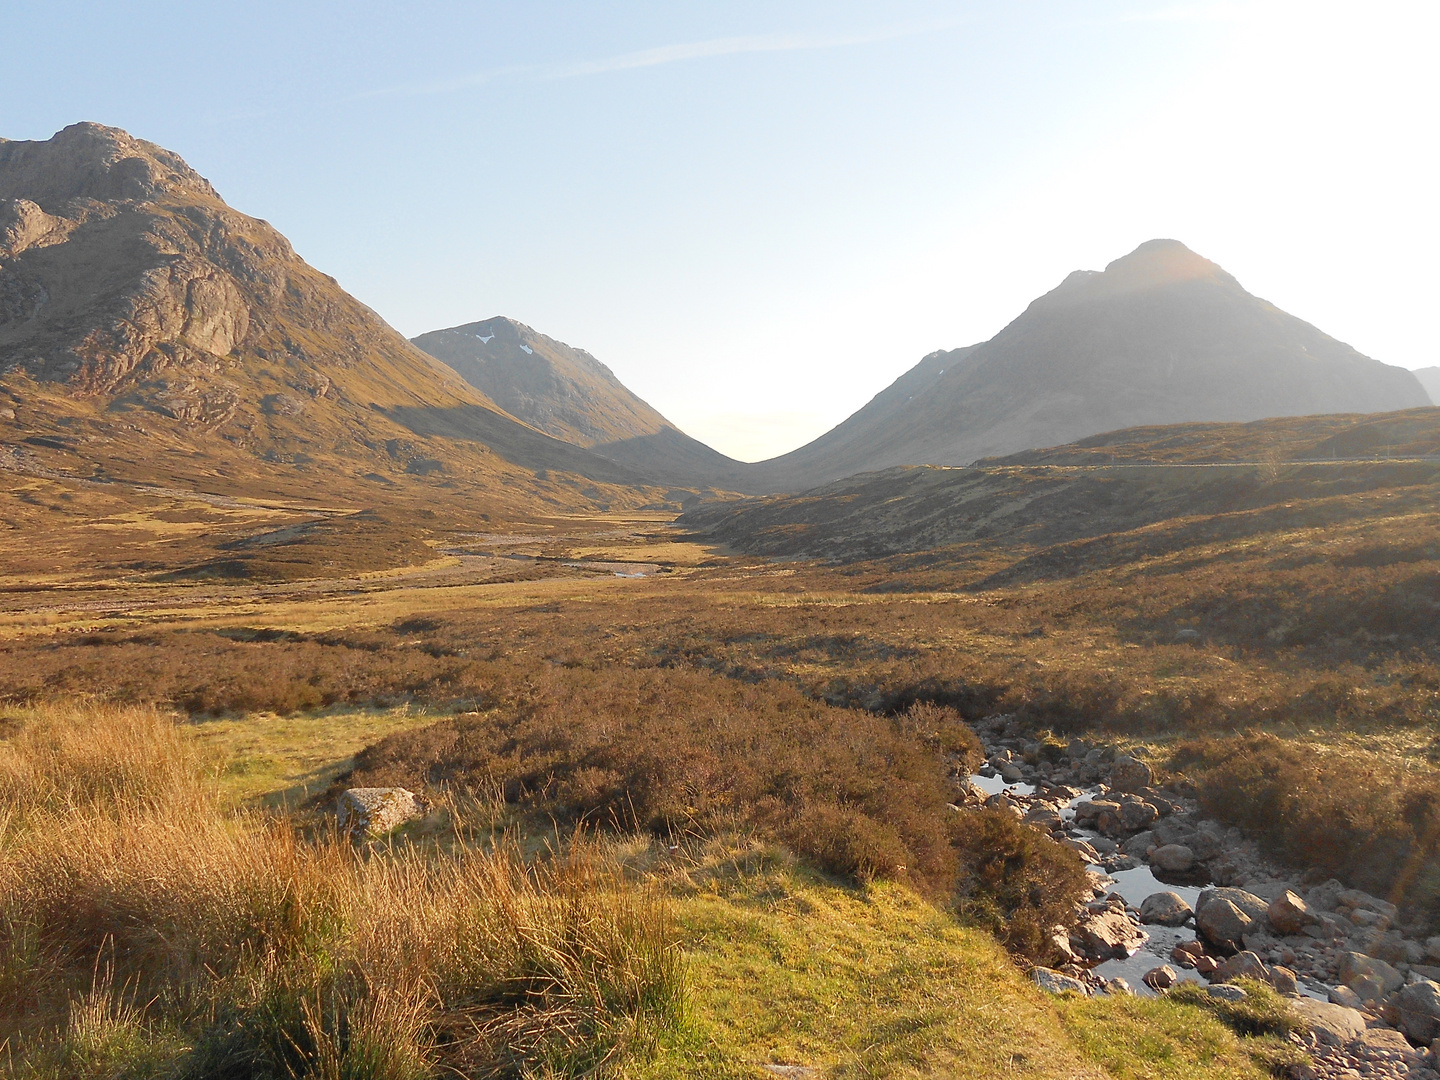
[{"x": 759, "y": 214}]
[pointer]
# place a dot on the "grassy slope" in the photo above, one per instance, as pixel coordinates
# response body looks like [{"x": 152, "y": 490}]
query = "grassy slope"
[{"x": 786, "y": 966}]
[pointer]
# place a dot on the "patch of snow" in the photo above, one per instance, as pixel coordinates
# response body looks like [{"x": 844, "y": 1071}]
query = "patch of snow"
[
  {"x": 486, "y": 340},
  {"x": 528, "y": 350}
]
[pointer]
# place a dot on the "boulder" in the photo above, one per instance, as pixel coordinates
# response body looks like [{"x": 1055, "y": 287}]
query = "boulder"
[
  {"x": 1419, "y": 1007},
  {"x": 1139, "y": 844},
  {"x": 1161, "y": 978},
  {"x": 1363, "y": 901},
  {"x": 1110, "y": 935},
  {"x": 1129, "y": 774},
  {"x": 1176, "y": 858},
  {"x": 1135, "y": 816},
  {"x": 1343, "y": 995},
  {"x": 1432, "y": 948},
  {"x": 1206, "y": 965},
  {"x": 1288, "y": 913},
  {"x": 1254, "y": 908},
  {"x": 1226, "y": 992},
  {"x": 1119, "y": 987},
  {"x": 1243, "y": 965},
  {"x": 1222, "y": 924},
  {"x": 1368, "y": 988},
  {"x": 1081, "y": 848},
  {"x": 1351, "y": 966},
  {"x": 1164, "y": 909},
  {"x": 1334, "y": 1025},
  {"x": 1053, "y": 982},
  {"x": 370, "y": 812},
  {"x": 1284, "y": 980}
]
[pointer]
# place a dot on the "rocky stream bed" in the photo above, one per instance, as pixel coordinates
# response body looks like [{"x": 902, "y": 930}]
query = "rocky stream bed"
[{"x": 1179, "y": 897}]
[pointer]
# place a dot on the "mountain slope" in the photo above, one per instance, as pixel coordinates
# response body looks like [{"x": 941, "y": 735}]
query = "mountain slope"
[
  {"x": 149, "y": 332},
  {"x": 567, "y": 393},
  {"x": 1430, "y": 379},
  {"x": 1161, "y": 336}
]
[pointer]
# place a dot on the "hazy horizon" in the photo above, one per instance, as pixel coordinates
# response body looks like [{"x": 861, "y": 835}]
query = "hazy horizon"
[{"x": 759, "y": 216}]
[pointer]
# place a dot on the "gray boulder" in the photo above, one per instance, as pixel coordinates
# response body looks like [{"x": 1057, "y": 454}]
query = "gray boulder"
[
  {"x": 1226, "y": 992},
  {"x": 1332, "y": 1024},
  {"x": 1164, "y": 909},
  {"x": 1135, "y": 816},
  {"x": 1222, "y": 924},
  {"x": 1139, "y": 844},
  {"x": 1343, "y": 995},
  {"x": 1419, "y": 1006},
  {"x": 1176, "y": 858},
  {"x": 1254, "y": 908},
  {"x": 1129, "y": 774},
  {"x": 1352, "y": 966},
  {"x": 1053, "y": 982}
]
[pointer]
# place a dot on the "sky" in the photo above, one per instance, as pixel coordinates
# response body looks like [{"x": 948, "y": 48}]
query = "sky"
[{"x": 761, "y": 214}]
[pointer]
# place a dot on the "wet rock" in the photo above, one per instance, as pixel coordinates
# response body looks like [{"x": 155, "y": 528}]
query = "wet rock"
[
  {"x": 1165, "y": 909},
  {"x": 1352, "y": 966},
  {"x": 1288, "y": 913},
  {"x": 1243, "y": 965},
  {"x": 1139, "y": 844},
  {"x": 1222, "y": 924},
  {"x": 1175, "y": 858},
  {"x": 1111, "y": 935},
  {"x": 1161, "y": 978},
  {"x": 1419, "y": 1007},
  {"x": 1129, "y": 774},
  {"x": 372, "y": 812},
  {"x": 1226, "y": 992},
  {"x": 1333, "y": 1025},
  {"x": 1053, "y": 982}
]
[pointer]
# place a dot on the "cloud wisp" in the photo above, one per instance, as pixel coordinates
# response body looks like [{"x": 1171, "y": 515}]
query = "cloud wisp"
[{"x": 658, "y": 56}]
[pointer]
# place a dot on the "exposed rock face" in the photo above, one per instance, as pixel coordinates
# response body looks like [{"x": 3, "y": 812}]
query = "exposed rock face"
[{"x": 135, "y": 303}]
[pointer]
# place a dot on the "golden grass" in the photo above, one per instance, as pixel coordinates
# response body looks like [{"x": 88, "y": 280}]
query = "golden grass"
[{"x": 226, "y": 939}]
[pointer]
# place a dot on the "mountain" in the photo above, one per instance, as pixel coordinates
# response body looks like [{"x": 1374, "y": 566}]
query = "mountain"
[
  {"x": 1430, "y": 379},
  {"x": 1161, "y": 336},
  {"x": 567, "y": 393},
  {"x": 150, "y": 333},
  {"x": 1308, "y": 470}
]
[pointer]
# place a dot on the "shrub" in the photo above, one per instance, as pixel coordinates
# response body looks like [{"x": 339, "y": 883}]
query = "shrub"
[
  {"x": 1367, "y": 822},
  {"x": 676, "y": 752},
  {"x": 1016, "y": 882}
]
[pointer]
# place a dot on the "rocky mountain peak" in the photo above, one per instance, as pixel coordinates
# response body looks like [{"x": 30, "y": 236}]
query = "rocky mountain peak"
[
  {"x": 92, "y": 161},
  {"x": 1155, "y": 264}
]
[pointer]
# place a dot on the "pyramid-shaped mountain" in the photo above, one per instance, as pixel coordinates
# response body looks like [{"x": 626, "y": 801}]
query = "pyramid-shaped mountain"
[{"x": 1160, "y": 336}]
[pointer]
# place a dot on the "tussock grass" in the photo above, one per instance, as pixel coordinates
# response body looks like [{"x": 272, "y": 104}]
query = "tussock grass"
[{"x": 233, "y": 946}]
